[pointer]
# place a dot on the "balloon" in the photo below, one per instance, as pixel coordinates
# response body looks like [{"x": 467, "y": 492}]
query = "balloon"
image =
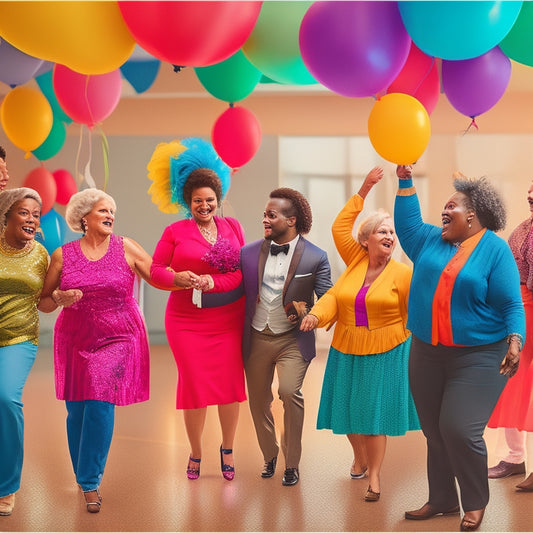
[
  {"x": 44, "y": 183},
  {"x": 231, "y": 80},
  {"x": 67, "y": 235},
  {"x": 51, "y": 231},
  {"x": 236, "y": 136},
  {"x": 141, "y": 74},
  {"x": 458, "y": 30},
  {"x": 399, "y": 128},
  {"x": 518, "y": 43},
  {"x": 354, "y": 48},
  {"x": 66, "y": 185},
  {"x": 16, "y": 67},
  {"x": 26, "y": 117},
  {"x": 53, "y": 143},
  {"x": 475, "y": 85},
  {"x": 47, "y": 87},
  {"x": 87, "y": 99},
  {"x": 194, "y": 34},
  {"x": 89, "y": 37},
  {"x": 419, "y": 77},
  {"x": 273, "y": 46}
]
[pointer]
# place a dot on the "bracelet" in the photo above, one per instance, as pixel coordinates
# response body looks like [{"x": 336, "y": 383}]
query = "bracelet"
[{"x": 517, "y": 337}]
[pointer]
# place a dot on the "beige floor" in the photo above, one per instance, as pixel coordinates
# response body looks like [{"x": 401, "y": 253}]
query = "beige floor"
[{"x": 145, "y": 488}]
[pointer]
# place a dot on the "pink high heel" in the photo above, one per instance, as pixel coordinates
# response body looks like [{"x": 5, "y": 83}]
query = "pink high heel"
[
  {"x": 193, "y": 473},
  {"x": 228, "y": 471}
]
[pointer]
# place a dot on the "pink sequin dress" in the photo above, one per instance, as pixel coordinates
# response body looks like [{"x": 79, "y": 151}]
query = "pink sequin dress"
[{"x": 100, "y": 343}]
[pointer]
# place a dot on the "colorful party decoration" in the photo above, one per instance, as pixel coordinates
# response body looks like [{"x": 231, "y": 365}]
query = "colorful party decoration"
[
  {"x": 16, "y": 67},
  {"x": 141, "y": 74},
  {"x": 26, "y": 118},
  {"x": 354, "y": 48},
  {"x": 45, "y": 83},
  {"x": 87, "y": 99},
  {"x": 44, "y": 183},
  {"x": 236, "y": 136},
  {"x": 518, "y": 43},
  {"x": 51, "y": 234},
  {"x": 66, "y": 185},
  {"x": 458, "y": 30},
  {"x": 475, "y": 85},
  {"x": 188, "y": 33},
  {"x": 54, "y": 142},
  {"x": 273, "y": 46},
  {"x": 399, "y": 128}
]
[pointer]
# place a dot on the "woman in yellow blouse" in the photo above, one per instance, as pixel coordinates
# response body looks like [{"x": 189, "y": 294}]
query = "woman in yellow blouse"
[
  {"x": 23, "y": 264},
  {"x": 365, "y": 393}
]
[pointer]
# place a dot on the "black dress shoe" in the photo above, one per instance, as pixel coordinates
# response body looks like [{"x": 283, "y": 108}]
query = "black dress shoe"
[
  {"x": 526, "y": 485},
  {"x": 429, "y": 511},
  {"x": 269, "y": 468},
  {"x": 290, "y": 477}
]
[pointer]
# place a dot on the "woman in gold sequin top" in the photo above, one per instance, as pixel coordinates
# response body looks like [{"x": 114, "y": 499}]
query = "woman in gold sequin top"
[{"x": 23, "y": 265}]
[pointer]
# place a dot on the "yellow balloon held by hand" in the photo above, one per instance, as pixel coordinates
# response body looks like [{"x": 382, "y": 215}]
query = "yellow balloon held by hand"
[
  {"x": 26, "y": 118},
  {"x": 399, "y": 128}
]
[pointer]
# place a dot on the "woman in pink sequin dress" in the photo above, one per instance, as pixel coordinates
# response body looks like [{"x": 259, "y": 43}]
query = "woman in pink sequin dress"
[{"x": 101, "y": 352}]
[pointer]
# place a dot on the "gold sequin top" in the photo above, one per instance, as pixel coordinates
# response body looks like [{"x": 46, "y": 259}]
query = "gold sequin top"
[{"x": 21, "y": 281}]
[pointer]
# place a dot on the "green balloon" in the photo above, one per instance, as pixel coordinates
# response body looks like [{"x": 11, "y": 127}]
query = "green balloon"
[
  {"x": 274, "y": 45},
  {"x": 54, "y": 142},
  {"x": 518, "y": 43},
  {"x": 45, "y": 83},
  {"x": 230, "y": 80}
]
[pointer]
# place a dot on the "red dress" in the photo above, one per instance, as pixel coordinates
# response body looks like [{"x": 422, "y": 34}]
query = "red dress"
[{"x": 206, "y": 342}]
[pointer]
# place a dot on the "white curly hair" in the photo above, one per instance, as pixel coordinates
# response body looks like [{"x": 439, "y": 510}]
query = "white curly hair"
[
  {"x": 10, "y": 197},
  {"x": 81, "y": 204}
]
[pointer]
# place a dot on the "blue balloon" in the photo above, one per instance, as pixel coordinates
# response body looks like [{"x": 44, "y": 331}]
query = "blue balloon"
[
  {"x": 50, "y": 234},
  {"x": 67, "y": 235},
  {"x": 141, "y": 74},
  {"x": 458, "y": 30}
]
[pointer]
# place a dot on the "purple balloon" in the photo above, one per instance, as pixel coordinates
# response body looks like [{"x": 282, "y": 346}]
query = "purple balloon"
[
  {"x": 16, "y": 67},
  {"x": 354, "y": 48},
  {"x": 475, "y": 85}
]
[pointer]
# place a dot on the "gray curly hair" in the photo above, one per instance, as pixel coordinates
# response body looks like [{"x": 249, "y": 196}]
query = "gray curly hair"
[
  {"x": 81, "y": 204},
  {"x": 483, "y": 198},
  {"x": 10, "y": 197}
]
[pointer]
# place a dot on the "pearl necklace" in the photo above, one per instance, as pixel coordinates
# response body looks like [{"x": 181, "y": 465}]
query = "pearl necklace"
[{"x": 210, "y": 235}]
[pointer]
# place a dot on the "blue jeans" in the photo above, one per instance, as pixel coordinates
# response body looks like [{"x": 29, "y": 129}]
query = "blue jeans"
[
  {"x": 89, "y": 430},
  {"x": 15, "y": 365}
]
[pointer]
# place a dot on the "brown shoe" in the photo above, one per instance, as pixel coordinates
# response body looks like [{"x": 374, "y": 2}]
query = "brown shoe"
[
  {"x": 526, "y": 485},
  {"x": 429, "y": 511},
  {"x": 472, "y": 520},
  {"x": 505, "y": 469},
  {"x": 93, "y": 500},
  {"x": 7, "y": 503},
  {"x": 371, "y": 496}
]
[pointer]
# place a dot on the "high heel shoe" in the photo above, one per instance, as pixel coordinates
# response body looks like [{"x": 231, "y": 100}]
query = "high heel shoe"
[
  {"x": 93, "y": 500},
  {"x": 193, "y": 473},
  {"x": 228, "y": 471},
  {"x": 472, "y": 520}
]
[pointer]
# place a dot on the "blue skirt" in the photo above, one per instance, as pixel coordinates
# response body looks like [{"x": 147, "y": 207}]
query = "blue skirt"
[{"x": 368, "y": 394}]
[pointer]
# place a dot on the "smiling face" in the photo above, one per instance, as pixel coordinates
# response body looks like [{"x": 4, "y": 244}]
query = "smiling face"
[
  {"x": 455, "y": 217},
  {"x": 101, "y": 218},
  {"x": 277, "y": 227},
  {"x": 22, "y": 221},
  {"x": 203, "y": 205},
  {"x": 382, "y": 240}
]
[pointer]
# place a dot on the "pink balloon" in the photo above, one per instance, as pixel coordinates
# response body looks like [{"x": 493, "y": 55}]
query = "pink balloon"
[
  {"x": 193, "y": 34},
  {"x": 87, "y": 99},
  {"x": 354, "y": 48},
  {"x": 236, "y": 136},
  {"x": 44, "y": 183},
  {"x": 66, "y": 185},
  {"x": 475, "y": 85}
]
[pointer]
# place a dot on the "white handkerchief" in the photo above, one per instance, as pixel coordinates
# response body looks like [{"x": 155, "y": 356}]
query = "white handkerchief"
[{"x": 197, "y": 297}]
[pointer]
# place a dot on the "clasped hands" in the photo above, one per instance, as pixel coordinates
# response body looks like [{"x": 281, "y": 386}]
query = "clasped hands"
[
  {"x": 66, "y": 298},
  {"x": 189, "y": 280}
]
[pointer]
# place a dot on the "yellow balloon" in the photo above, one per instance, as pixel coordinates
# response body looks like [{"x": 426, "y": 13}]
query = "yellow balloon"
[
  {"x": 399, "y": 128},
  {"x": 26, "y": 118},
  {"x": 88, "y": 37}
]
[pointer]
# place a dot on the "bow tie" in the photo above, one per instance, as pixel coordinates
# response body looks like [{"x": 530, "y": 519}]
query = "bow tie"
[{"x": 276, "y": 249}]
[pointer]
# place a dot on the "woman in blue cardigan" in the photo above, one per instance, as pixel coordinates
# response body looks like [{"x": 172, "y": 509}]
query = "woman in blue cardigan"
[{"x": 467, "y": 319}]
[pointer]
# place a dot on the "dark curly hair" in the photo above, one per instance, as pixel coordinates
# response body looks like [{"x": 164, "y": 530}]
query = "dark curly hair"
[
  {"x": 484, "y": 200},
  {"x": 202, "y": 177},
  {"x": 2, "y": 153},
  {"x": 300, "y": 208}
]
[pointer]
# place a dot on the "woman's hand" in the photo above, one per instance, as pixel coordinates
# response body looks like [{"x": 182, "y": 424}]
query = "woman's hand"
[
  {"x": 205, "y": 282},
  {"x": 509, "y": 365},
  {"x": 186, "y": 279},
  {"x": 371, "y": 179},
  {"x": 309, "y": 322},
  {"x": 404, "y": 171},
  {"x": 66, "y": 298}
]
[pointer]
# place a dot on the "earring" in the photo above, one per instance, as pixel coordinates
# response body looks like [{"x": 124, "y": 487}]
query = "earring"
[
  {"x": 470, "y": 223},
  {"x": 84, "y": 226}
]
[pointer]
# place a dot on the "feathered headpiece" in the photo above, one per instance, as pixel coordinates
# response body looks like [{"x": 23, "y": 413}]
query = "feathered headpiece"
[{"x": 172, "y": 163}]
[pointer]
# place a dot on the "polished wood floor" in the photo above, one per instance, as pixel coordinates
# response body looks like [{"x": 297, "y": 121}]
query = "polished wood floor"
[{"x": 145, "y": 488}]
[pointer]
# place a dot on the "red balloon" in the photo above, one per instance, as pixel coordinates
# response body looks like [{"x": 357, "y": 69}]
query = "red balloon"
[
  {"x": 419, "y": 77},
  {"x": 192, "y": 34},
  {"x": 236, "y": 136},
  {"x": 44, "y": 183},
  {"x": 66, "y": 185}
]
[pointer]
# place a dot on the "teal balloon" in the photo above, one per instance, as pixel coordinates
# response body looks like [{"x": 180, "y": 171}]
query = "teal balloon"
[
  {"x": 50, "y": 235},
  {"x": 231, "y": 80},
  {"x": 273, "y": 46},
  {"x": 47, "y": 88},
  {"x": 458, "y": 30},
  {"x": 141, "y": 74},
  {"x": 53, "y": 143},
  {"x": 67, "y": 235},
  {"x": 518, "y": 43}
]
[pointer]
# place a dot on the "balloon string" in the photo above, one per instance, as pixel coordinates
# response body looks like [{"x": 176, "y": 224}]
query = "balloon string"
[
  {"x": 88, "y": 178},
  {"x": 87, "y": 103},
  {"x": 472, "y": 124},
  {"x": 105, "y": 154},
  {"x": 425, "y": 75},
  {"x": 79, "y": 175}
]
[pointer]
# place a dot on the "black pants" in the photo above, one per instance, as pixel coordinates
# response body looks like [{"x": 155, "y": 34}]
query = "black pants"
[{"x": 455, "y": 390}]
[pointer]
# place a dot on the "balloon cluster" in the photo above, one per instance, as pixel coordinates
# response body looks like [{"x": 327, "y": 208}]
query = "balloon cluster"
[{"x": 393, "y": 51}]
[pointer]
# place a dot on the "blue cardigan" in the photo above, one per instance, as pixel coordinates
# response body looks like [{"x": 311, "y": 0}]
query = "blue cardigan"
[{"x": 486, "y": 304}]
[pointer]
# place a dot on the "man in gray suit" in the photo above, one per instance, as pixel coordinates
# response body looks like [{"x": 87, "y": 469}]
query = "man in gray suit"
[{"x": 281, "y": 275}]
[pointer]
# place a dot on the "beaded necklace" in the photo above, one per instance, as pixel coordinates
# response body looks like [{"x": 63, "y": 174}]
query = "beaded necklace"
[
  {"x": 210, "y": 235},
  {"x": 11, "y": 251}
]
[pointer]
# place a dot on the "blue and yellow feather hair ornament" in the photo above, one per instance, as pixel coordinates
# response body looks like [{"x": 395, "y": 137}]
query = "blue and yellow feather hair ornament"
[{"x": 172, "y": 163}]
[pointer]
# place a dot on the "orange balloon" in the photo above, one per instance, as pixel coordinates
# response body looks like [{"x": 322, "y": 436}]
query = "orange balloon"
[{"x": 399, "y": 128}]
